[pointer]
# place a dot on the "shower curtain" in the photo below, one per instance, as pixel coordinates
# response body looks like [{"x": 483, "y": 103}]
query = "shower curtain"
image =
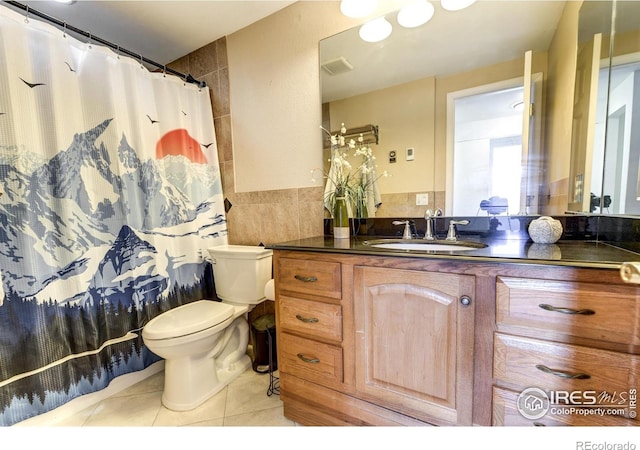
[{"x": 110, "y": 197}]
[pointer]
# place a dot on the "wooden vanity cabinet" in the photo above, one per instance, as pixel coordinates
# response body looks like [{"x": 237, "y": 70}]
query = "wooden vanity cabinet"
[
  {"x": 376, "y": 340},
  {"x": 565, "y": 336},
  {"x": 373, "y": 341}
]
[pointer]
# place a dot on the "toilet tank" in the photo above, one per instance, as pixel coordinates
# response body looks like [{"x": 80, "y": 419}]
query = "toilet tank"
[{"x": 240, "y": 272}]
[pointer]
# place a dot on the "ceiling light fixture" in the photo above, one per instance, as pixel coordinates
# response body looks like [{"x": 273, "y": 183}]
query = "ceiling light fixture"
[
  {"x": 375, "y": 30},
  {"x": 415, "y": 14},
  {"x": 456, "y": 5},
  {"x": 357, "y": 8}
]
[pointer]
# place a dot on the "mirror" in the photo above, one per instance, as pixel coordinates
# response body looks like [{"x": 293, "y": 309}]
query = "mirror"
[
  {"x": 403, "y": 85},
  {"x": 590, "y": 105},
  {"x": 605, "y": 155}
]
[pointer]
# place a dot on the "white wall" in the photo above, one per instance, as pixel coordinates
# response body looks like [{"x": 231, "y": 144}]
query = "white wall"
[{"x": 275, "y": 95}]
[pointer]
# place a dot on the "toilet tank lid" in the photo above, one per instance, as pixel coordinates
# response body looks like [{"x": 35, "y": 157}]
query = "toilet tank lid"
[
  {"x": 240, "y": 251},
  {"x": 187, "y": 319}
]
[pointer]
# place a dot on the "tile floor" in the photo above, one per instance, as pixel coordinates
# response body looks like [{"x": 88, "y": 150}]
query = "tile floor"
[{"x": 244, "y": 402}]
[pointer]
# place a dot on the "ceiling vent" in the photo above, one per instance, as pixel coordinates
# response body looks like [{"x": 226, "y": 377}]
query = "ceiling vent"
[{"x": 337, "y": 66}]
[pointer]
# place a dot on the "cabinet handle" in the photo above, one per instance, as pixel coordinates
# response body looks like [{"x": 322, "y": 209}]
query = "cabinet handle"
[
  {"x": 305, "y": 279},
  {"x": 308, "y": 360},
  {"x": 563, "y": 373},
  {"x": 465, "y": 300},
  {"x": 306, "y": 320},
  {"x": 583, "y": 312}
]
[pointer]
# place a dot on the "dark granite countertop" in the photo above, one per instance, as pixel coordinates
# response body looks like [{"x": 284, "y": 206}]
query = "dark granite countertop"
[{"x": 576, "y": 253}]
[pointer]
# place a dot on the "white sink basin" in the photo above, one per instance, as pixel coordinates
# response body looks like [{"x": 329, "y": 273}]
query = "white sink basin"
[{"x": 427, "y": 246}]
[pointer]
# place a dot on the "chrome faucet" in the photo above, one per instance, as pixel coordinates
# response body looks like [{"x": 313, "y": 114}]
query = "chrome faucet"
[
  {"x": 430, "y": 217},
  {"x": 407, "y": 228},
  {"x": 452, "y": 235}
]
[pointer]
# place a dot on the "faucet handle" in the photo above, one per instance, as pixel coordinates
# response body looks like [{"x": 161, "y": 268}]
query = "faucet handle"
[
  {"x": 407, "y": 228},
  {"x": 452, "y": 234},
  {"x": 429, "y": 213}
]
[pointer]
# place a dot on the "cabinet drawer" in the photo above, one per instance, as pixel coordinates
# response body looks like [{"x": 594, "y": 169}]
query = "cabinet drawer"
[
  {"x": 505, "y": 413},
  {"x": 310, "y": 277},
  {"x": 587, "y": 310},
  {"x": 523, "y": 363},
  {"x": 318, "y": 319},
  {"x": 309, "y": 359}
]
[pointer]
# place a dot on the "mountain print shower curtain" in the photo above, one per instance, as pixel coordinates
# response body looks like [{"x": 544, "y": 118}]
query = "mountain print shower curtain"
[{"x": 110, "y": 197}]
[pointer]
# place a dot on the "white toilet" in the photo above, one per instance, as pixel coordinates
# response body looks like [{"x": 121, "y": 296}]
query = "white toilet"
[{"x": 204, "y": 343}]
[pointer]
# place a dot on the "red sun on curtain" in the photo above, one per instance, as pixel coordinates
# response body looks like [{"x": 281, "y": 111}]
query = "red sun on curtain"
[{"x": 179, "y": 142}]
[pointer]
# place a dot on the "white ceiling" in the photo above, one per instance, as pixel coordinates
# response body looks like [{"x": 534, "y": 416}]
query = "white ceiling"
[{"x": 161, "y": 31}]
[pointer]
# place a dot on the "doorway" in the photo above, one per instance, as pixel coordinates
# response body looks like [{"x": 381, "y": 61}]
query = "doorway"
[{"x": 487, "y": 148}]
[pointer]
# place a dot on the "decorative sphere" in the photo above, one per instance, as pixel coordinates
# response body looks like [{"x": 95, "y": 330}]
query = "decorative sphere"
[{"x": 545, "y": 230}]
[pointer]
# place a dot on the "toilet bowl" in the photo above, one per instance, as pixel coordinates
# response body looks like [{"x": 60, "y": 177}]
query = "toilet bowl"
[{"x": 204, "y": 343}]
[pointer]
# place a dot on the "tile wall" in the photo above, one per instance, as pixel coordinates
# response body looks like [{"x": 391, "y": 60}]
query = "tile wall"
[{"x": 254, "y": 217}]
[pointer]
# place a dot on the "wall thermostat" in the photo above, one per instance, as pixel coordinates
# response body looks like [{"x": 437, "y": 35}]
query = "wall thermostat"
[
  {"x": 410, "y": 154},
  {"x": 392, "y": 156}
]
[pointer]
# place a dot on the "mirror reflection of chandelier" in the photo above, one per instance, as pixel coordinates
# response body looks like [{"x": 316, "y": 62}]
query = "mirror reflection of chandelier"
[
  {"x": 357, "y": 8},
  {"x": 413, "y": 14},
  {"x": 456, "y": 5},
  {"x": 375, "y": 30}
]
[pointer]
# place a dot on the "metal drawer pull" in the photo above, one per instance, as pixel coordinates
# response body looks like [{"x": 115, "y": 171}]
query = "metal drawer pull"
[
  {"x": 308, "y": 360},
  {"x": 583, "y": 312},
  {"x": 306, "y": 320},
  {"x": 305, "y": 279},
  {"x": 563, "y": 374}
]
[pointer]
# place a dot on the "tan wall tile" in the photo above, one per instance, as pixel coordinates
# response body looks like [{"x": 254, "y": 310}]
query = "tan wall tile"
[
  {"x": 181, "y": 65},
  {"x": 204, "y": 60},
  {"x": 223, "y": 138},
  {"x": 222, "y": 53},
  {"x": 278, "y": 222},
  {"x": 244, "y": 225},
  {"x": 254, "y": 217}
]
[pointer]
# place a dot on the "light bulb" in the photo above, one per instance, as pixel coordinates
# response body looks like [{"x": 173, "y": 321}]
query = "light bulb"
[
  {"x": 415, "y": 14},
  {"x": 375, "y": 30},
  {"x": 456, "y": 5},
  {"x": 357, "y": 8}
]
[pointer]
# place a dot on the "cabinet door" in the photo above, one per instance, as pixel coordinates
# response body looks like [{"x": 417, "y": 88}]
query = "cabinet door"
[{"x": 414, "y": 342}]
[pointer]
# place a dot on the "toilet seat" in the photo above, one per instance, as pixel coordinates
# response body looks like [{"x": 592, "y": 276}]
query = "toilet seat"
[{"x": 187, "y": 319}]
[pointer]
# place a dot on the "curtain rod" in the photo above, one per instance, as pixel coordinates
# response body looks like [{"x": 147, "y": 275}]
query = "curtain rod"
[{"x": 65, "y": 26}]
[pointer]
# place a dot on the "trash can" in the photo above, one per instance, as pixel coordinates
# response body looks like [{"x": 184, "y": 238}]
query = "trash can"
[{"x": 263, "y": 336}]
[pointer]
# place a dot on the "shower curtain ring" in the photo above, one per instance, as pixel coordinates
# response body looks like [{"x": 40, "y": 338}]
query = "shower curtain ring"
[
  {"x": 164, "y": 71},
  {"x": 64, "y": 30},
  {"x": 118, "y": 51},
  {"x": 141, "y": 63},
  {"x": 89, "y": 41},
  {"x": 26, "y": 16}
]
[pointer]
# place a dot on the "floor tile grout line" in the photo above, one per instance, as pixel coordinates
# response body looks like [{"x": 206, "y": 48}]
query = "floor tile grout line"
[
  {"x": 251, "y": 412},
  {"x": 93, "y": 413}
]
